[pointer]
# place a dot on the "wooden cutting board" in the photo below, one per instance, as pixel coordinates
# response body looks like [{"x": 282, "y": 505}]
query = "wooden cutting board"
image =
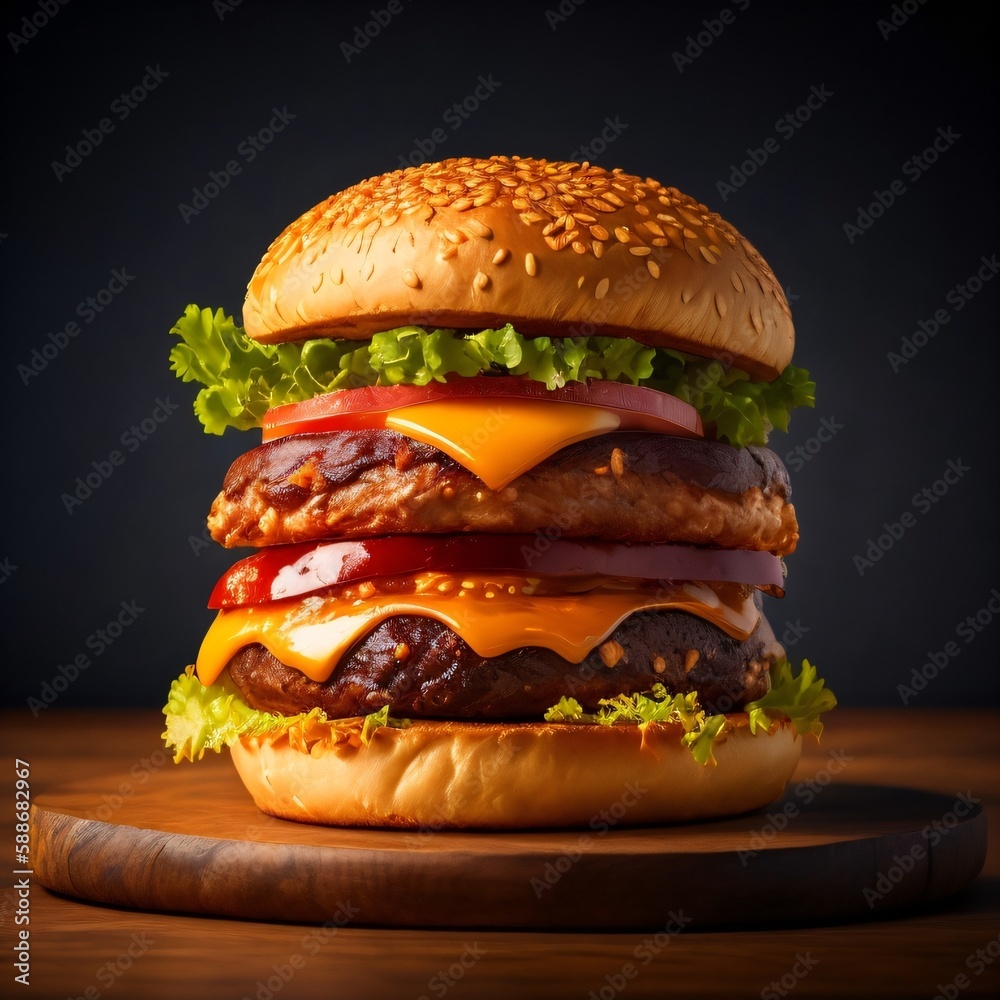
[{"x": 189, "y": 839}]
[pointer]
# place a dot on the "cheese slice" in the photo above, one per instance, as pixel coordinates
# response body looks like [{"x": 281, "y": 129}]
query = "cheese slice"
[
  {"x": 497, "y": 440},
  {"x": 493, "y": 614}
]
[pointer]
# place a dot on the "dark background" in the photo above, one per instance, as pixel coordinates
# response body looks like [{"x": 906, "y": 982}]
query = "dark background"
[{"x": 876, "y": 439}]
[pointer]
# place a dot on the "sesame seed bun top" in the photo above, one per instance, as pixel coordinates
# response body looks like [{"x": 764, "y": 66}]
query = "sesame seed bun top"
[{"x": 557, "y": 249}]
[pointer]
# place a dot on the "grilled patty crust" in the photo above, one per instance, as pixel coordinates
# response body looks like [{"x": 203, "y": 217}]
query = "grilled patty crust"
[
  {"x": 421, "y": 669},
  {"x": 626, "y": 487}
]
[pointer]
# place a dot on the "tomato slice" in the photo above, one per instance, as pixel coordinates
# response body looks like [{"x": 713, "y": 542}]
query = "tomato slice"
[
  {"x": 295, "y": 570},
  {"x": 637, "y": 407}
]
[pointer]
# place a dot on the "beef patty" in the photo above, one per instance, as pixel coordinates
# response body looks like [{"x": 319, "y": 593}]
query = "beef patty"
[
  {"x": 421, "y": 669},
  {"x": 627, "y": 487}
]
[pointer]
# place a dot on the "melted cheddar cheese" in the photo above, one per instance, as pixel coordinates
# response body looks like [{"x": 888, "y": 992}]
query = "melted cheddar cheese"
[{"x": 493, "y": 614}]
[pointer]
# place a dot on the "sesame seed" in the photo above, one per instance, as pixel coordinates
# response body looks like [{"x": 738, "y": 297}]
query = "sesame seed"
[
  {"x": 599, "y": 233},
  {"x": 659, "y": 664},
  {"x": 501, "y": 255},
  {"x": 401, "y": 652},
  {"x": 410, "y": 278},
  {"x": 530, "y": 265},
  {"x": 602, "y": 287},
  {"x": 448, "y": 252},
  {"x": 480, "y": 281},
  {"x": 621, "y": 235},
  {"x": 480, "y": 229},
  {"x": 461, "y": 204},
  {"x": 618, "y": 462},
  {"x": 720, "y": 304},
  {"x": 369, "y": 271},
  {"x": 639, "y": 251},
  {"x": 337, "y": 277},
  {"x": 653, "y": 268},
  {"x": 581, "y": 279},
  {"x": 455, "y": 237},
  {"x": 598, "y": 248},
  {"x": 736, "y": 280},
  {"x": 690, "y": 659},
  {"x": 579, "y": 247},
  {"x": 707, "y": 254}
]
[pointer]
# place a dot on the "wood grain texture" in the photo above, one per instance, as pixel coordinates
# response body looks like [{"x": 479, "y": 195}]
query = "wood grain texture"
[
  {"x": 79, "y": 946},
  {"x": 190, "y": 839}
]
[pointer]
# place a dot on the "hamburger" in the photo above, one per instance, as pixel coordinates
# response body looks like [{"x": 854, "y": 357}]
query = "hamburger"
[{"x": 513, "y": 511}]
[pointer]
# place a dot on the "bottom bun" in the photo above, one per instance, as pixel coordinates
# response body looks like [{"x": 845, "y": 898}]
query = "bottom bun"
[{"x": 441, "y": 775}]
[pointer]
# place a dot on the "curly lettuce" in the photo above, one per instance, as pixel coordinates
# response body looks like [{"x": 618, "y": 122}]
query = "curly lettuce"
[
  {"x": 800, "y": 699},
  {"x": 242, "y": 379},
  {"x": 201, "y": 718}
]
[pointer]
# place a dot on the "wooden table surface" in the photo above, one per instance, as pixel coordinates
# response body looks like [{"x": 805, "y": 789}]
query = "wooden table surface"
[{"x": 79, "y": 949}]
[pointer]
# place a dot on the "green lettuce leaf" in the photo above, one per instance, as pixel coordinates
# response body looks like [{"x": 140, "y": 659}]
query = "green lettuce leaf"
[
  {"x": 242, "y": 379},
  {"x": 800, "y": 698},
  {"x": 203, "y": 718}
]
